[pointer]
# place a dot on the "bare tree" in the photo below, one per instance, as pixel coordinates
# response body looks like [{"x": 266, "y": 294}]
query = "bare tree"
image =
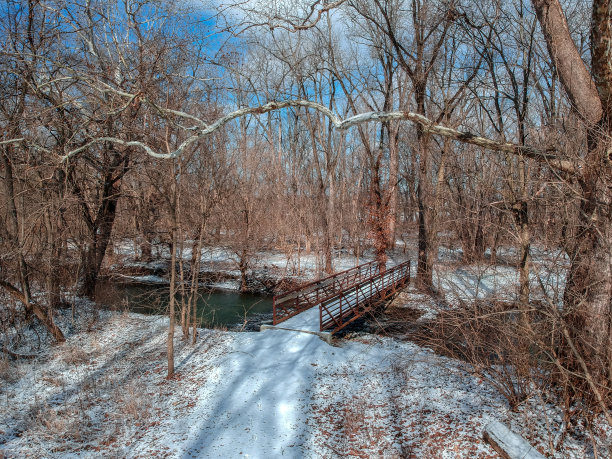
[{"x": 588, "y": 294}]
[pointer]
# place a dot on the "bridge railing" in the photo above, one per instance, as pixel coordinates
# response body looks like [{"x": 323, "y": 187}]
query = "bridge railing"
[
  {"x": 306, "y": 296},
  {"x": 348, "y": 305}
]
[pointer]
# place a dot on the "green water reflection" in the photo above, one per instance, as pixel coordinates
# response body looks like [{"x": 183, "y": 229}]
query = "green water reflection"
[{"x": 214, "y": 308}]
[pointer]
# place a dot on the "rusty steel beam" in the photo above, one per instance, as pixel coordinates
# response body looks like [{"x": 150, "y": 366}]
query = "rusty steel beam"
[
  {"x": 353, "y": 302},
  {"x": 304, "y": 297}
]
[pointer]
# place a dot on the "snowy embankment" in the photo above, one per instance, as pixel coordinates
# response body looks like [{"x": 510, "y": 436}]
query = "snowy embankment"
[
  {"x": 270, "y": 394},
  {"x": 268, "y": 270}
]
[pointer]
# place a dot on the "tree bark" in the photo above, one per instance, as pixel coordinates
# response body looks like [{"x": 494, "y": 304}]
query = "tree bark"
[
  {"x": 572, "y": 71},
  {"x": 171, "y": 306},
  {"x": 101, "y": 226},
  {"x": 43, "y": 314},
  {"x": 392, "y": 190},
  {"x": 588, "y": 292},
  {"x": 55, "y": 252},
  {"x": 14, "y": 229},
  {"x": 426, "y": 236},
  {"x": 24, "y": 294}
]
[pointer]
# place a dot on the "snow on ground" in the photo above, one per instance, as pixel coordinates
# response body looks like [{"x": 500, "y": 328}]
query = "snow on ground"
[
  {"x": 413, "y": 298},
  {"x": 307, "y": 320},
  {"x": 260, "y": 395},
  {"x": 149, "y": 279},
  {"x": 271, "y": 394},
  {"x": 458, "y": 281},
  {"x": 299, "y": 267},
  {"x": 227, "y": 285},
  {"x": 468, "y": 282}
]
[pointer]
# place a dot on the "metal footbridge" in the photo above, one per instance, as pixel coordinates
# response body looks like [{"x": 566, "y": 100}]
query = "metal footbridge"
[{"x": 344, "y": 296}]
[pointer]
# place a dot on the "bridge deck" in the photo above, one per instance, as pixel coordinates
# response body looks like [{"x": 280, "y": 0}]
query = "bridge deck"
[
  {"x": 343, "y": 297},
  {"x": 306, "y": 296},
  {"x": 350, "y": 304}
]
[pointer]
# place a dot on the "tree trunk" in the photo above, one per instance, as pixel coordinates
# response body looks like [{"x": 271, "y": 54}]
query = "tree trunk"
[
  {"x": 569, "y": 65},
  {"x": 379, "y": 219},
  {"x": 54, "y": 218},
  {"x": 100, "y": 226},
  {"x": 521, "y": 217},
  {"x": 91, "y": 259},
  {"x": 195, "y": 276},
  {"x": 393, "y": 182},
  {"x": 174, "y": 206},
  {"x": 326, "y": 220},
  {"x": 171, "y": 308},
  {"x": 55, "y": 252},
  {"x": 588, "y": 292},
  {"x": 185, "y": 313},
  {"x": 14, "y": 229},
  {"x": 243, "y": 266},
  {"x": 45, "y": 316},
  {"x": 426, "y": 255}
]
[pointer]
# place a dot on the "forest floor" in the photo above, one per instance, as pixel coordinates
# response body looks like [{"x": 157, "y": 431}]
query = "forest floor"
[{"x": 275, "y": 393}]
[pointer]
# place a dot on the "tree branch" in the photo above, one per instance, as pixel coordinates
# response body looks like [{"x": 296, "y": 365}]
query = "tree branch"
[
  {"x": 429, "y": 126},
  {"x": 41, "y": 312},
  {"x": 12, "y": 141},
  {"x": 292, "y": 25},
  {"x": 341, "y": 124}
]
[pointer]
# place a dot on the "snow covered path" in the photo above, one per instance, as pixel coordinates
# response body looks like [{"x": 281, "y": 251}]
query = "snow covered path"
[
  {"x": 306, "y": 320},
  {"x": 258, "y": 400},
  {"x": 262, "y": 395},
  {"x": 258, "y": 407}
]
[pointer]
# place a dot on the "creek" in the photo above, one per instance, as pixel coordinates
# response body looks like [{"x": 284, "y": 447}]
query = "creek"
[{"x": 215, "y": 308}]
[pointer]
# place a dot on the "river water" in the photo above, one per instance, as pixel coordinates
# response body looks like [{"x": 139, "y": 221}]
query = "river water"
[{"x": 216, "y": 308}]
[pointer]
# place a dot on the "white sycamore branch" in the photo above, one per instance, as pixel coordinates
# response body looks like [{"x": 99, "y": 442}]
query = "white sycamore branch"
[{"x": 203, "y": 129}]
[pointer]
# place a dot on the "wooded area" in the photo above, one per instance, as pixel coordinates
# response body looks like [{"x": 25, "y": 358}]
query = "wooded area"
[{"x": 321, "y": 127}]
